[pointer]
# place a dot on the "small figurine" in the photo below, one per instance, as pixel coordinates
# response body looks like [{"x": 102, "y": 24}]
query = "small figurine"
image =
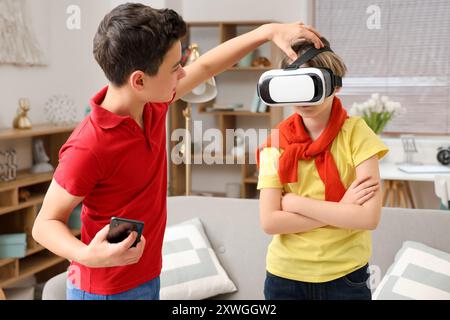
[
  {"x": 24, "y": 195},
  {"x": 40, "y": 158},
  {"x": 261, "y": 62},
  {"x": 21, "y": 121}
]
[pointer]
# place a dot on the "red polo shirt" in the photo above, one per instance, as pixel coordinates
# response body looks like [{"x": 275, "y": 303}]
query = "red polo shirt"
[{"x": 121, "y": 171}]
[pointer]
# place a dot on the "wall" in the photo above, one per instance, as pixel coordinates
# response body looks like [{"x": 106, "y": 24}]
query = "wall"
[
  {"x": 235, "y": 10},
  {"x": 71, "y": 67}
]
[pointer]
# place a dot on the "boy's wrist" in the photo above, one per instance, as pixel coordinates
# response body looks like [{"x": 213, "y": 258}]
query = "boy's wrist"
[
  {"x": 268, "y": 31},
  {"x": 287, "y": 202},
  {"x": 82, "y": 256}
]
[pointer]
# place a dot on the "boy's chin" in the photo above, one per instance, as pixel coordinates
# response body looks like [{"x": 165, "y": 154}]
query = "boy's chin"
[
  {"x": 162, "y": 99},
  {"x": 306, "y": 111}
]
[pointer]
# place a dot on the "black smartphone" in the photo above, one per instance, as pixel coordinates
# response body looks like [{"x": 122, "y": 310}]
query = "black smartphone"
[{"x": 120, "y": 228}]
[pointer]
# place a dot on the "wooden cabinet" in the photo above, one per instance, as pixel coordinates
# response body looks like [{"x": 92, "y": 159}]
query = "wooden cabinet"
[
  {"x": 227, "y": 119},
  {"x": 17, "y": 216}
]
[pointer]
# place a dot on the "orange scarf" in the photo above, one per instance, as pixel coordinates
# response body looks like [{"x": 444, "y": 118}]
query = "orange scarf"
[{"x": 298, "y": 145}]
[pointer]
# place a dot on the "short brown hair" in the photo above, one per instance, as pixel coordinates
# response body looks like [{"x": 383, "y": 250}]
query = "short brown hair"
[
  {"x": 134, "y": 37},
  {"x": 325, "y": 59}
]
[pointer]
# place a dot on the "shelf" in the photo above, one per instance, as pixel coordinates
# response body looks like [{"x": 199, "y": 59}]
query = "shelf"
[
  {"x": 26, "y": 178},
  {"x": 33, "y": 265},
  {"x": 39, "y": 248},
  {"x": 260, "y": 69},
  {"x": 37, "y": 130},
  {"x": 4, "y": 262},
  {"x": 34, "y": 200},
  {"x": 237, "y": 113},
  {"x": 18, "y": 216},
  {"x": 251, "y": 180},
  {"x": 37, "y": 259}
]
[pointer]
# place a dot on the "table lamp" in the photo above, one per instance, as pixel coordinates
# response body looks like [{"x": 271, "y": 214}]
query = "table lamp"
[{"x": 202, "y": 93}]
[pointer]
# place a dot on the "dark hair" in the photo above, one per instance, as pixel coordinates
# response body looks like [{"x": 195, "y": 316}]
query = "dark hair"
[
  {"x": 326, "y": 59},
  {"x": 134, "y": 37}
]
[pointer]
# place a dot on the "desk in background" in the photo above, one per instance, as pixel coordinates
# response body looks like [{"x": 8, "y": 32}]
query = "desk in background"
[{"x": 396, "y": 187}]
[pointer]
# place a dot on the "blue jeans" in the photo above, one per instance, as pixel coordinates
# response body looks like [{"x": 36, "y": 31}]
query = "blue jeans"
[
  {"x": 352, "y": 286},
  {"x": 146, "y": 291}
]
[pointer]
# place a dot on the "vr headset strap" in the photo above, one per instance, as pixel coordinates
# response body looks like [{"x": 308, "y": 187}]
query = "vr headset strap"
[
  {"x": 337, "y": 81},
  {"x": 308, "y": 55}
]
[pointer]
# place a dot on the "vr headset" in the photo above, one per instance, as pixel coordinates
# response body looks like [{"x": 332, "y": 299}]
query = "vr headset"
[{"x": 298, "y": 86}]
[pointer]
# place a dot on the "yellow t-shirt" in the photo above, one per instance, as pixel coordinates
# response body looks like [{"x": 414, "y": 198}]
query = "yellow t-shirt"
[{"x": 326, "y": 253}]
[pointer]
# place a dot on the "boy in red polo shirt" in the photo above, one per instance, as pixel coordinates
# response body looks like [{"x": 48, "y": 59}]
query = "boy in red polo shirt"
[{"x": 115, "y": 161}]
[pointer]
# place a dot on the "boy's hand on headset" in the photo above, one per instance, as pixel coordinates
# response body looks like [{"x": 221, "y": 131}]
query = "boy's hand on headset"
[{"x": 284, "y": 35}]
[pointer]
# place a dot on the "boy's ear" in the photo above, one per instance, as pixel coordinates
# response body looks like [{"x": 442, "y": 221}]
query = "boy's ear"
[
  {"x": 137, "y": 80},
  {"x": 337, "y": 89}
]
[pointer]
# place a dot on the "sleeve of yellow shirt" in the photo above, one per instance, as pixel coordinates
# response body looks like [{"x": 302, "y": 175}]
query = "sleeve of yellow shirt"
[
  {"x": 365, "y": 143},
  {"x": 268, "y": 169}
]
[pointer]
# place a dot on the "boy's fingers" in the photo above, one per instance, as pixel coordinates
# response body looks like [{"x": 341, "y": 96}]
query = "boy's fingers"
[
  {"x": 141, "y": 245},
  {"x": 126, "y": 244},
  {"x": 366, "y": 191},
  {"x": 368, "y": 184},
  {"x": 101, "y": 235},
  {"x": 366, "y": 197},
  {"x": 312, "y": 29},
  {"x": 358, "y": 181},
  {"x": 290, "y": 53}
]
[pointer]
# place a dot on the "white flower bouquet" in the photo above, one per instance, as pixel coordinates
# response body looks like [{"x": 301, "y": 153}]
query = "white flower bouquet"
[{"x": 377, "y": 111}]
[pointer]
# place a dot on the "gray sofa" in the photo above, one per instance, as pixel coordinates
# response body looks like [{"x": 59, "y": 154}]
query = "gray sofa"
[{"x": 232, "y": 226}]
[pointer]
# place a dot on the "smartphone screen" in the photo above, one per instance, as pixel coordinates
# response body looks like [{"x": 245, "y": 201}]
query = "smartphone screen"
[{"x": 120, "y": 229}]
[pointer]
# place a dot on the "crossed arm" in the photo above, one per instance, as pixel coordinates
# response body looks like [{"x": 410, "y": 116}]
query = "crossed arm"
[{"x": 360, "y": 208}]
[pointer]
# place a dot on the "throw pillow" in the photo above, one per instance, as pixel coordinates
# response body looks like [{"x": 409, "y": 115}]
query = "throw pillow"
[
  {"x": 191, "y": 269},
  {"x": 419, "y": 272}
]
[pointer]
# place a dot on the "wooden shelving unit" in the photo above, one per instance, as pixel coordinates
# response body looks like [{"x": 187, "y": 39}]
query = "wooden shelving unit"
[
  {"x": 225, "y": 119},
  {"x": 18, "y": 216},
  {"x": 239, "y": 69}
]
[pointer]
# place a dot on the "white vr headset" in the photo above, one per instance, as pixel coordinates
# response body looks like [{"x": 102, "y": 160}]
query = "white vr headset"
[{"x": 298, "y": 86}]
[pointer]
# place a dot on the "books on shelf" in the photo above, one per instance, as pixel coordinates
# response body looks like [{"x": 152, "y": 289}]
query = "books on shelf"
[
  {"x": 256, "y": 106},
  {"x": 228, "y": 107}
]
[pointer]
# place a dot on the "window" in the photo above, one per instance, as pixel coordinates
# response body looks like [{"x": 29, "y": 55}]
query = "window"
[{"x": 399, "y": 48}]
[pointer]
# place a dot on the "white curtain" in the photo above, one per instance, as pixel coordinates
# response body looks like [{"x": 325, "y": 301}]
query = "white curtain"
[{"x": 399, "y": 48}]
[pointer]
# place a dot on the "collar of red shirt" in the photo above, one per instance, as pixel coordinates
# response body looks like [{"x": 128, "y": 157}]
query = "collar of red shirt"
[{"x": 104, "y": 118}]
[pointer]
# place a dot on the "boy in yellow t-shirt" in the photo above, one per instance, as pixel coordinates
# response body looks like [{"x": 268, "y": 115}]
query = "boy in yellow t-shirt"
[{"x": 320, "y": 219}]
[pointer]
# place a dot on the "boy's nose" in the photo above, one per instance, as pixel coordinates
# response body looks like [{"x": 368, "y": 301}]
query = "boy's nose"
[{"x": 182, "y": 74}]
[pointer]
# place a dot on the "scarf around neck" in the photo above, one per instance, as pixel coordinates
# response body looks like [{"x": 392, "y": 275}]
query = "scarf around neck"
[{"x": 298, "y": 145}]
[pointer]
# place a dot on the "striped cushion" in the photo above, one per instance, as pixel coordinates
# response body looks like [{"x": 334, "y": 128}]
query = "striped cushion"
[
  {"x": 191, "y": 269},
  {"x": 418, "y": 273}
]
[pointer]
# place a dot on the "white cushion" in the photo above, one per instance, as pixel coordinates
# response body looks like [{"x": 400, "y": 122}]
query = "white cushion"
[
  {"x": 191, "y": 269},
  {"x": 418, "y": 273}
]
